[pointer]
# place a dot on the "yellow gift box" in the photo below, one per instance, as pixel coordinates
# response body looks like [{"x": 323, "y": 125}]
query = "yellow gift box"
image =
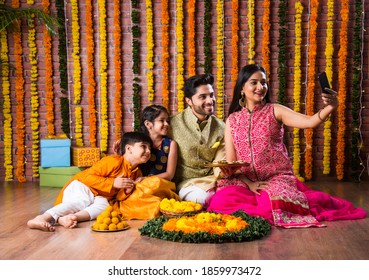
[{"x": 85, "y": 156}]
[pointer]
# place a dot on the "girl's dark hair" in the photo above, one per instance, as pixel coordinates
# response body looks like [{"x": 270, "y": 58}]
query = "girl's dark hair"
[
  {"x": 150, "y": 113},
  {"x": 130, "y": 138},
  {"x": 245, "y": 73},
  {"x": 192, "y": 83}
]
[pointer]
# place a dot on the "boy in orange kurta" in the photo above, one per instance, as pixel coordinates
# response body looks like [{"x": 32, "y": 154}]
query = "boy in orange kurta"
[{"x": 88, "y": 193}]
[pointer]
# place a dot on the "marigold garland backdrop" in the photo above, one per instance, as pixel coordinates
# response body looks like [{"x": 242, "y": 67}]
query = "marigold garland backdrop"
[{"x": 110, "y": 59}]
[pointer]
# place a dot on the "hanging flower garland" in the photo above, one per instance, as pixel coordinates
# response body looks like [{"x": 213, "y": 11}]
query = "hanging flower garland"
[
  {"x": 282, "y": 61},
  {"x": 19, "y": 93},
  {"x": 191, "y": 38},
  {"x": 342, "y": 55},
  {"x": 207, "y": 227},
  {"x": 235, "y": 41},
  {"x": 150, "y": 50},
  {"x": 297, "y": 88},
  {"x": 91, "y": 85},
  {"x": 63, "y": 73},
  {"x": 251, "y": 25},
  {"x": 311, "y": 87},
  {"x": 220, "y": 58},
  {"x": 79, "y": 126},
  {"x": 6, "y": 107},
  {"x": 118, "y": 70},
  {"x": 207, "y": 37},
  {"x": 34, "y": 99},
  {"x": 48, "y": 75},
  {"x": 180, "y": 55},
  {"x": 329, "y": 50},
  {"x": 165, "y": 55},
  {"x": 266, "y": 40},
  {"x": 104, "y": 130}
]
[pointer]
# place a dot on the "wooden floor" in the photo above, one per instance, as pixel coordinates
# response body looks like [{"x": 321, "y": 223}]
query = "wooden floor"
[{"x": 340, "y": 240}]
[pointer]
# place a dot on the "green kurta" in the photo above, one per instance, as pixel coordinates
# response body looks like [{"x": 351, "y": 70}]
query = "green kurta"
[{"x": 197, "y": 146}]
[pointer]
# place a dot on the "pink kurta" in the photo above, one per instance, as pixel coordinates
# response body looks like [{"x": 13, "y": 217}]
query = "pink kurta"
[{"x": 258, "y": 139}]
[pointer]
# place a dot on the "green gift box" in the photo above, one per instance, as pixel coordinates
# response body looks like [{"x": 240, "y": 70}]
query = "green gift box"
[{"x": 57, "y": 176}]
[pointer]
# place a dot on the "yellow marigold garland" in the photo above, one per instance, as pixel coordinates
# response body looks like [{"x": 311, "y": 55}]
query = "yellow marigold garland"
[
  {"x": 5, "y": 89},
  {"x": 180, "y": 55},
  {"x": 297, "y": 88},
  {"x": 104, "y": 130},
  {"x": 266, "y": 36},
  {"x": 150, "y": 50},
  {"x": 342, "y": 55},
  {"x": 311, "y": 87},
  {"x": 118, "y": 70},
  {"x": 19, "y": 93},
  {"x": 251, "y": 25},
  {"x": 220, "y": 58},
  {"x": 191, "y": 38},
  {"x": 329, "y": 50},
  {"x": 235, "y": 40},
  {"x": 91, "y": 85},
  {"x": 165, "y": 55},
  {"x": 77, "y": 87},
  {"x": 79, "y": 126},
  {"x": 34, "y": 100}
]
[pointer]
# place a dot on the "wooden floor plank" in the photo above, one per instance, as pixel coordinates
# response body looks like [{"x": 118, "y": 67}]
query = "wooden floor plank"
[{"x": 340, "y": 240}]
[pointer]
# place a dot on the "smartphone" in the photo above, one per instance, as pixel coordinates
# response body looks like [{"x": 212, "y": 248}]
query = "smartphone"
[{"x": 323, "y": 80}]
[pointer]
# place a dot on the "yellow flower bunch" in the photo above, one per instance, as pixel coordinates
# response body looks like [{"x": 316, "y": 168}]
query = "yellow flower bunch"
[
  {"x": 235, "y": 40},
  {"x": 212, "y": 223},
  {"x": 173, "y": 205},
  {"x": 329, "y": 50},
  {"x": 109, "y": 219},
  {"x": 165, "y": 55},
  {"x": 104, "y": 130},
  {"x": 251, "y": 24},
  {"x": 191, "y": 38},
  {"x": 220, "y": 58},
  {"x": 297, "y": 87},
  {"x": 180, "y": 55},
  {"x": 5, "y": 89},
  {"x": 77, "y": 87},
  {"x": 150, "y": 50},
  {"x": 79, "y": 126}
]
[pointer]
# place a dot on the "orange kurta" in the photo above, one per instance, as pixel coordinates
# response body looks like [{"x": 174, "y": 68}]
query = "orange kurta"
[{"x": 100, "y": 177}]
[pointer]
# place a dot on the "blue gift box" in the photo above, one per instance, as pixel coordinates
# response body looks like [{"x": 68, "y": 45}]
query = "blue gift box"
[{"x": 55, "y": 152}]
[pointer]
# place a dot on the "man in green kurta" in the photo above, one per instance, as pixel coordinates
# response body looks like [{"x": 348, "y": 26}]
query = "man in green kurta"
[{"x": 199, "y": 135}]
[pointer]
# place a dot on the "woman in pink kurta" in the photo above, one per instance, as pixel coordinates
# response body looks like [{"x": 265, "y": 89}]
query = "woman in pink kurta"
[{"x": 268, "y": 186}]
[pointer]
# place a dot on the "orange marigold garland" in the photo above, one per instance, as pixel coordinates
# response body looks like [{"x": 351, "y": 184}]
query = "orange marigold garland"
[
  {"x": 220, "y": 58},
  {"x": 19, "y": 94},
  {"x": 251, "y": 24},
  {"x": 235, "y": 40},
  {"x": 91, "y": 85},
  {"x": 6, "y": 108},
  {"x": 342, "y": 55},
  {"x": 150, "y": 50},
  {"x": 311, "y": 87},
  {"x": 266, "y": 40},
  {"x": 165, "y": 56},
  {"x": 329, "y": 50},
  {"x": 191, "y": 38},
  {"x": 180, "y": 55},
  {"x": 118, "y": 70}
]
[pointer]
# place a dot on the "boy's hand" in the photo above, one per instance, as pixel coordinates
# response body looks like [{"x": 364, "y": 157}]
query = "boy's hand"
[{"x": 122, "y": 182}]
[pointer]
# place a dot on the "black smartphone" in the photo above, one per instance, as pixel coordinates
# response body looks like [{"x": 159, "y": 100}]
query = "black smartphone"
[{"x": 323, "y": 80}]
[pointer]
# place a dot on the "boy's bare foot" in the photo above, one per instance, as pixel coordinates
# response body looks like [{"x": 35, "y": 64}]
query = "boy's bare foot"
[
  {"x": 40, "y": 223},
  {"x": 68, "y": 221}
]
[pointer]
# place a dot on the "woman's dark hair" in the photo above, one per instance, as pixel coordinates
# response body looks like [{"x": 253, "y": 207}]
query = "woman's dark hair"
[
  {"x": 150, "y": 113},
  {"x": 192, "y": 83},
  {"x": 245, "y": 73},
  {"x": 130, "y": 138}
]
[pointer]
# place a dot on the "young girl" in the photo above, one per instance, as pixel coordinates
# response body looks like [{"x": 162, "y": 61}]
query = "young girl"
[{"x": 158, "y": 171}]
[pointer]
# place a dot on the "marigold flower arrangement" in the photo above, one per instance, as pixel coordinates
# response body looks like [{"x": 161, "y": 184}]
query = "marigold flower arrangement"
[
  {"x": 207, "y": 227},
  {"x": 220, "y": 58},
  {"x": 173, "y": 205},
  {"x": 180, "y": 55}
]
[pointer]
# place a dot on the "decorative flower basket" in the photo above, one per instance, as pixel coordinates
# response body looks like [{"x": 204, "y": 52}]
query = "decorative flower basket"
[
  {"x": 173, "y": 208},
  {"x": 172, "y": 214},
  {"x": 207, "y": 227}
]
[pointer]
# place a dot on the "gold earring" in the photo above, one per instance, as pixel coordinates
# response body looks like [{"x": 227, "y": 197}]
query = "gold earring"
[{"x": 242, "y": 100}]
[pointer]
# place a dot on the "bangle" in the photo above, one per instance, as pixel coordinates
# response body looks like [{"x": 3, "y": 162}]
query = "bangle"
[{"x": 326, "y": 119}]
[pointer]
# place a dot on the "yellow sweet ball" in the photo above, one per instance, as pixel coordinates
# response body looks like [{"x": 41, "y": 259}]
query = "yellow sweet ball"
[
  {"x": 103, "y": 227},
  {"x": 114, "y": 213},
  {"x": 100, "y": 219},
  {"x": 107, "y": 220},
  {"x": 121, "y": 225},
  {"x": 109, "y": 208},
  {"x": 115, "y": 220},
  {"x": 95, "y": 225},
  {"x": 112, "y": 227}
]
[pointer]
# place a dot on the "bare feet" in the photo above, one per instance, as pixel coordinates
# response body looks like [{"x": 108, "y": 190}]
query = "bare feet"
[
  {"x": 68, "y": 221},
  {"x": 40, "y": 223}
]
